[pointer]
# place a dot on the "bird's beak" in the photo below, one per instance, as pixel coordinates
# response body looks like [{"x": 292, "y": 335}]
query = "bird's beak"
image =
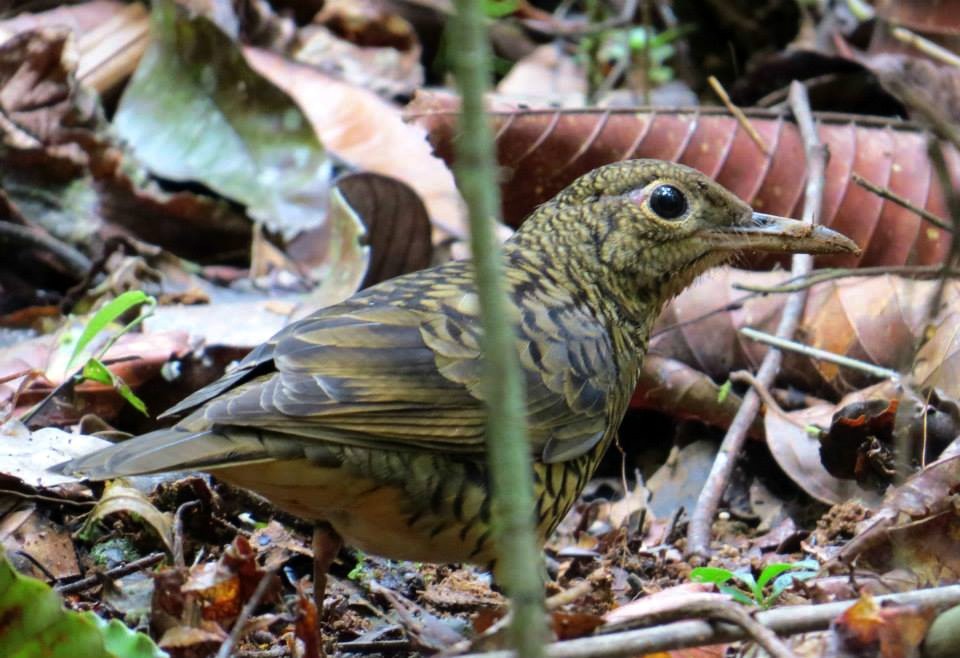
[{"x": 772, "y": 233}]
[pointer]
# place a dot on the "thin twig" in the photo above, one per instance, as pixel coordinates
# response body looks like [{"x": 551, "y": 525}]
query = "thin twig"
[
  {"x": 763, "y": 636},
  {"x": 746, "y": 377},
  {"x": 738, "y": 113},
  {"x": 820, "y": 355},
  {"x": 36, "y": 563},
  {"x": 47, "y": 499},
  {"x": 519, "y": 558},
  {"x": 376, "y": 646},
  {"x": 571, "y": 594},
  {"x": 815, "y": 277},
  {"x": 701, "y": 521},
  {"x": 787, "y": 620},
  {"x": 884, "y": 193},
  {"x": 111, "y": 574},
  {"x": 646, "y": 53},
  {"x": 924, "y": 45},
  {"x": 248, "y": 609}
]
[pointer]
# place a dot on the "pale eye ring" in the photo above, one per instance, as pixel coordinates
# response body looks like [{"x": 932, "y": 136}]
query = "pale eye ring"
[{"x": 668, "y": 202}]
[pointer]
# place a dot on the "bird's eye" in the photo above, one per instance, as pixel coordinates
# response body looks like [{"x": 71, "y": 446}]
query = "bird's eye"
[{"x": 668, "y": 202}]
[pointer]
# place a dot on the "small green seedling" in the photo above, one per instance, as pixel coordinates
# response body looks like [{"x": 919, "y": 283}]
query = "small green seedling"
[
  {"x": 724, "y": 391},
  {"x": 94, "y": 369},
  {"x": 357, "y": 574},
  {"x": 750, "y": 591}
]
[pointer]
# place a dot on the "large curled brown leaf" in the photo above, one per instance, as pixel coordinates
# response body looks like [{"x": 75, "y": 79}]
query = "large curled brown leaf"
[
  {"x": 541, "y": 151},
  {"x": 875, "y": 319}
]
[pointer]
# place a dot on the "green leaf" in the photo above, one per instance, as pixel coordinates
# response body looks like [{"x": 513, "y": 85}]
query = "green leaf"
[
  {"x": 771, "y": 571},
  {"x": 132, "y": 399},
  {"x": 356, "y": 574},
  {"x": 710, "y": 575},
  {"x": 195, "y": 110},
  {"x": 102, "y": 318},
  {"x": 784, "y": 582},
  {"x": 737, "y": 594},
  {"x": 724, "y": 391},
  {"x": 500, "y": 8},
  {"x": 35, "y": 625},
  {"x": 94, "y": 370},
  {"x": 746, "y": 579},
  {"x": 123, "y": 642}
]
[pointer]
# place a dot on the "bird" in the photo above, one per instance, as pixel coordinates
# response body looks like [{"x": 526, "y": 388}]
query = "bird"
[{"x": 367, "y": 418}]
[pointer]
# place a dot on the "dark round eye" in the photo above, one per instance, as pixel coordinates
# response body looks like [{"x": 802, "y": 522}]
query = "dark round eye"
[{"x": 668, "y": 202}]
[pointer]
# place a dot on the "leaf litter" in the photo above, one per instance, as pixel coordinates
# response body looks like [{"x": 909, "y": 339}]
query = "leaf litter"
[{"x": 233, "y": 217}]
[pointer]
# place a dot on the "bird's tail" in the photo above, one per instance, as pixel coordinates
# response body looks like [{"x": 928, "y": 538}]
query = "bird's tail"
[{"x": 169, "y": 449}]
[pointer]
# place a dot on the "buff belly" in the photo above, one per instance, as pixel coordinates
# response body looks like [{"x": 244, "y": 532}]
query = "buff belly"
[
  {"x": 445, "y": 522},
  {"x": 408, "y": 505}
]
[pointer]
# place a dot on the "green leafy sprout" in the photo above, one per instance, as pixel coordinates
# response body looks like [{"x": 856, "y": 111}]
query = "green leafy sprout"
[
  {"x": 94, "y": 369},
  {"x": 744, "y": 588},
  {"x": 357, "y": 574}
]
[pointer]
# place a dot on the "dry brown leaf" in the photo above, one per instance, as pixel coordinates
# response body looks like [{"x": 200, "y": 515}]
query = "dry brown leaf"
[
  {"x": 120, "y": 497},
  {"x": 798, "y": 454},
  {"x": 938, "y": 362},
  {"x": 541, "y": 151},
  {"x": 547, "y": 75},
  {"x": 364, "y": 44},
  {"x": 916, "y": 527},
  {"x": 369, "y": 133},
  {"x": 875, "y": 319}
]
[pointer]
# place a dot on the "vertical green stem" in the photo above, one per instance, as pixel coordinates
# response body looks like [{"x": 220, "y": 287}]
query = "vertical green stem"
[{"x": 519, "y": 561}]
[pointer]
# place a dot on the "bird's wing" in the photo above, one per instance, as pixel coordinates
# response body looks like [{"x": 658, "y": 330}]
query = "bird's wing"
[{"x": 399, "y": 366}]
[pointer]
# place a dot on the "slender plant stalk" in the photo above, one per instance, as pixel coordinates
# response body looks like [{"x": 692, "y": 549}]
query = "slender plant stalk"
[{"x": 519, "y": 562}]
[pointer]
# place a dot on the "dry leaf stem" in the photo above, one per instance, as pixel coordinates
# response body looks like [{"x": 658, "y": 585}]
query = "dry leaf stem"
[{"x": 701, "y": 521}]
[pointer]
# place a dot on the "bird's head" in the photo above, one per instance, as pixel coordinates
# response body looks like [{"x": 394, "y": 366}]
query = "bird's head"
[{"x": 647, "y": 226}]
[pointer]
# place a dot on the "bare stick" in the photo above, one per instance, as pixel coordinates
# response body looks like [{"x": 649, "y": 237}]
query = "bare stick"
[
  {"x": 116, "y": 572},
  {"x": 924, "y": 45},
  {"x": 746, "y": 377},
  {"x": 701, "y": 521},
  {"x": 787, "y": 620},
  {"x": 820, "y": 276},
  {"x": 820, "y": 355},
  {"x": 738, "y": 113},
  {"x": 884, "y": 193}
]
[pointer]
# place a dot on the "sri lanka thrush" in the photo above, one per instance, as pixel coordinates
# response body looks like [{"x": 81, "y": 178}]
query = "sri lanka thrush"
[{"x": 368, "y": 416}]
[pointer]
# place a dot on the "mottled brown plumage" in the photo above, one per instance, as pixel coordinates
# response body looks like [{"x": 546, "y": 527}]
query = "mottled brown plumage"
[{"x": 369, "y": 415}]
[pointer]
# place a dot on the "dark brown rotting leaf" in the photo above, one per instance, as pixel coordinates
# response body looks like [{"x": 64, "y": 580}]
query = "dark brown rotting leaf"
[{"x": 398, "y": 227}]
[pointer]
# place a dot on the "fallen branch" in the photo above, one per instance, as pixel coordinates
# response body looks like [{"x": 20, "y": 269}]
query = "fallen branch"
[{"x": 788, "y": 620}]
